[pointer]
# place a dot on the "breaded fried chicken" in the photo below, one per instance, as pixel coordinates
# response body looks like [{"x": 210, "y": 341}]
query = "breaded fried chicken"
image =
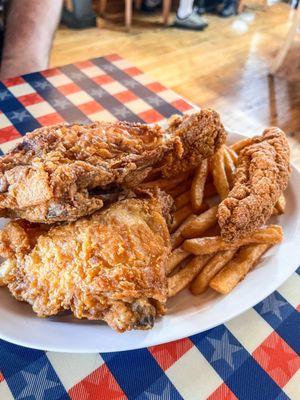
[
  {"x": 262, "y": 175},
  {"x": 109, "y": 266},
  {"x": 63, "y": 172}
]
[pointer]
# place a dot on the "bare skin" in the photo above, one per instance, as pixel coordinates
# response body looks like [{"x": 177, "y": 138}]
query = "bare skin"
[{"x": 29, "y": 29}]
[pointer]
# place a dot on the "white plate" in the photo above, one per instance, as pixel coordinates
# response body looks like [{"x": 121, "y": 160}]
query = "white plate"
[{"x": 186, "y": 315}]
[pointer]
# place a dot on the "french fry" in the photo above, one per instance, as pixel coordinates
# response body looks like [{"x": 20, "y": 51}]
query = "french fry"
[
  {"x": 176, "y": 237},
  {"x": 219, "y": 173},
  {"x": 280, "y": 205},
  {"x": 209, "y": 190},
  {"x": 237, "y": 269},
  {"x": 165, "y": 183},
  {"x": 182, "y": 214},
  {"x": 232, "y": 154},
  {"x": 182, "y": 187},
  {"x": 197, "y": 187},
  {"x": 214, "y": 265},
  {"x": 238, "y": 146},
  {"x": 175, "y": 258},
  {"x": 229, "y": 167},
  {"x": 267, "y": 235},
  {"x": 200, "y": 224},
  {"x": 182, "y": 200},
  {"x": 184, "y": 276}
]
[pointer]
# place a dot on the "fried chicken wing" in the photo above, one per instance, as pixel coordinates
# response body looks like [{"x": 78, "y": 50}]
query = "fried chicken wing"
[
  {"x": 108, "y": 266},
  {"x": 63, "y": 172},
  {"x": 262, "y": 174}
]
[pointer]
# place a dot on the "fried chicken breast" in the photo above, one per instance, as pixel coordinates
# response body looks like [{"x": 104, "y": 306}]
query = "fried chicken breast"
[
  {"x": 261, "y": 176},
  {"x": 109, "y": 266},
  {"x": 63, "y": 172}
]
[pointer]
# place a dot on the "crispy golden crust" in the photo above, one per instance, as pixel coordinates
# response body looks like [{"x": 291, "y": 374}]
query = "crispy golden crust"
[
  {"x": 61, "y": 173},
  {"x": 197, "y": 137},
  {"x": 262, "y": 174},
  {"x": 108, "y": 266}
]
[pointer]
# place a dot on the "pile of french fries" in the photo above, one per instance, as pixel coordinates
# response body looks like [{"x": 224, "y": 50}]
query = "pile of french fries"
[{"x": 200, "y": 258}]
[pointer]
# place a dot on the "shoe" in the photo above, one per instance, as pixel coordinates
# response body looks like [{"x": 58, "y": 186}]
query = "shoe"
[
  {"x": 229, "y": 9},
  {"x": 193, "y": 21}
]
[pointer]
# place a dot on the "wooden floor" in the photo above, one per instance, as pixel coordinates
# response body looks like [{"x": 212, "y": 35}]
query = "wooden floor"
[{"x": 225, "y": 67}]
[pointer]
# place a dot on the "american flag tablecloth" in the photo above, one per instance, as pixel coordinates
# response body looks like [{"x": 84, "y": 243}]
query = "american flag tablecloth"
[{"x": 254, "y": 356}]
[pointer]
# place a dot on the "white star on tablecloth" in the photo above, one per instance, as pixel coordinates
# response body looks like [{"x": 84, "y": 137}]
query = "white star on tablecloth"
[
  {"x": 154, "y": 101},
  {"x": 4, "y": 95},
  {"x": 223, "y": 350},
  {"x": 272, "y": 304},
  {"x": 36, "y": 384},
  {"x": 76, "y": 76},
  {"x": 130, "y": 83},
  {"x": 41, "y": 85},
  {"x": 19, "y": 116},
  {"x": 60, "y": 104},
  {"x": 109, "y": 68},
  {"x": 121, "y": 112},
  {"x": 97, "y": 93},
  {"x": 163, "y": 395}
]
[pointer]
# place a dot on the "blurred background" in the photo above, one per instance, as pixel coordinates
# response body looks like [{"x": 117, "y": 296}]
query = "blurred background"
[{"x": 240, "y": 57}]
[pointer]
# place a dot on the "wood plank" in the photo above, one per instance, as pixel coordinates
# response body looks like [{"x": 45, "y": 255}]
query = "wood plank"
[{"x": 225, "y": 67}]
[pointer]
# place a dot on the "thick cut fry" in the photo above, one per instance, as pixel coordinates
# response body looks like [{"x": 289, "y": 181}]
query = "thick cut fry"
[
  {"x": 270, "y": 235},
  {"x": 280, "y": 205},
  {"x": 197, "y": 187},
  {"x": 180, "y": 215},
  {"x": 165, "y": 183},
  {"x": 183, "y": 213},
  {"x": 209, "y": 190},
  {"x": 232, "y": 154},
  {"x": 182, "y": 200},
  {"x": 237, "y": 269},
  {"x": 229, "y": 167},
  {"x": 175, "y": 258},
  {"x": 238, "y": 146},
  {"x": 183, "y": 277},
  {"x": 215, "y": 264},
  {"x": 182, "y": 187},
  {"x": 219, "y": 173},
  {"x": 176, "y": 237},
  {"x": 200, "y": 224}
]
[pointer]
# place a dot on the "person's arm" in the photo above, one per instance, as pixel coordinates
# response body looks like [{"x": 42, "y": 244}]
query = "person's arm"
[{"x": 29, "y": 30}]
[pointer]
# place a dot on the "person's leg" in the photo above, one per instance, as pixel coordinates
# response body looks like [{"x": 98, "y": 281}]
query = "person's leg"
[
  {"x": 228, "y": 9},
  {"x": 185, "y": 8},
  {"x": 187, "y": 18},
  {"x": 29, "y": 29}
]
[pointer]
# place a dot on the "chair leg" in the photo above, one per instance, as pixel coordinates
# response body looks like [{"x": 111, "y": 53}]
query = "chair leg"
[
  {"x": 240, "y": 6},
  {"x": 138, "y": 4},
  {"x": 128, "y": 14},
  {"x": 166, "y": 11},
  {"x": 287, "y": 43},
  {"x": 102, "y": 7},
  {"x": 265, "y": 5},
  {"x": 69, "y": 5}
]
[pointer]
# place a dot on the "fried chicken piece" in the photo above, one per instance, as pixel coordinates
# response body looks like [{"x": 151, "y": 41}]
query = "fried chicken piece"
[
  {"x": 262, "y": 174},
  {"x": 108, "y": 266},
  {"x": 60, "y": 173}
]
